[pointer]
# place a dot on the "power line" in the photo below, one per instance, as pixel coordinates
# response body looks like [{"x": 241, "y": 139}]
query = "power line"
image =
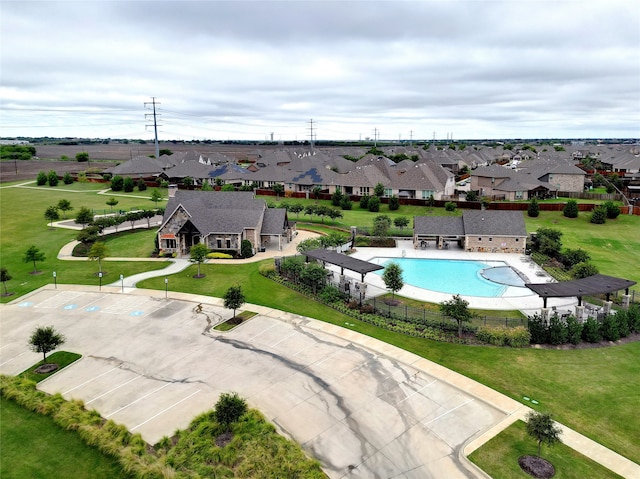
[{"x": 155, "y": 123}]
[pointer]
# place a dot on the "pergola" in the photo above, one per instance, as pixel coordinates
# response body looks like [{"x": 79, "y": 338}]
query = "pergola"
[
  {"x": 343, "y": 261},
  {"x": 596, "y": 284}
]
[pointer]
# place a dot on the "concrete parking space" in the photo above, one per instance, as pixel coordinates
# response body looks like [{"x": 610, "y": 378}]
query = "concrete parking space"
[{"x": 152, "y": 365}]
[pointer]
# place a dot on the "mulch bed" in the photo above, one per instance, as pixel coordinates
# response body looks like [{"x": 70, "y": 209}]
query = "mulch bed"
[
  {"x": 224, "y": 439},
  {"x": 537, "y": 467},
  {"x": 46, "y": 368}
]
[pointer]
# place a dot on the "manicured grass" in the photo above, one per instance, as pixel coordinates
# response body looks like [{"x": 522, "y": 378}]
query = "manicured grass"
[
  {"x": 614, "y": 246},
  {"x": 131, "y": 243},
  {"x": 499, "y": 457},
  {"x": 33, "y": 446},
  {"x": 61, "y": 358},
  {"x": 237, "y": 320},
  {"x": 22, "y": 224},
  {"x": 590, "y": 390}
]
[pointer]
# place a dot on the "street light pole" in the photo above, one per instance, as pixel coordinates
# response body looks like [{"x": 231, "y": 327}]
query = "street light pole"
[
  {"x": 122, "y": 281},
  {"x": 166, "y": 288},
  {"x": 100, "y": 276},
  {"x": 55, "y": 281}
]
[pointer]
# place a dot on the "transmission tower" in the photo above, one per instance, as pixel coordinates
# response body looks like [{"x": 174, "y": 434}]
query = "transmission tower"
[
  {"x": 311, "y": 134},
  {"x": 155, "y": 122}
]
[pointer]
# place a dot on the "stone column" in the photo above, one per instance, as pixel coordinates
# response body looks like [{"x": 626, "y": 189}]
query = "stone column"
[
  {"x": 362, "y": 291},
  {"x": 544, "y": 312},
  {"x": 626, "y": 301},
  {"x": 579, "y": 312},
  {"x": 607, "y": 307}
]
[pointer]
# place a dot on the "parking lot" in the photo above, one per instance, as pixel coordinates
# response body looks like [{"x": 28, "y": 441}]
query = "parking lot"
[{"x": 152, "y": 365}]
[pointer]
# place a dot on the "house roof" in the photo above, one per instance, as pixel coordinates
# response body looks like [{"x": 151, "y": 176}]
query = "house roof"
[
  {"x": 498, "y": 223},
  {"x": 274, "y": 221},
  {"x": 343, "y": 261},
  {"x": 438, "y": 225}
]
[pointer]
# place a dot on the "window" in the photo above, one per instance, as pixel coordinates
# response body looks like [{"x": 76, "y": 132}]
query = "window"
[
  {"x": 219, "y": 243},
  {"x": 519, "y": 195},
  {"x": 171, "y": 243},
  {"x": 228, "y": 244},
  {"x": 364, "y": 190},
  {"x": 388, "y": 192},
  {"x": 426, "y": 194},
  {"x": 490, "y": 239}
]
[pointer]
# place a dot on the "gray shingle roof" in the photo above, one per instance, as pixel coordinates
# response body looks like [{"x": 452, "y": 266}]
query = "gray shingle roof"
[
  {"x": 274, "y": 221},
  {"x": 498, "y": 223},
  {"x": 438, "y": 225}
]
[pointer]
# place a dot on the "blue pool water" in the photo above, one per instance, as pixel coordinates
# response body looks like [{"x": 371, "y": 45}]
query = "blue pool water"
[{"x": 467, "y": 278}]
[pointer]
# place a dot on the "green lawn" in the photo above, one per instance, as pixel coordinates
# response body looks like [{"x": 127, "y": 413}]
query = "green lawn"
[
  {"x": 131, "y": 244},
  {"x": 499, "y": 457},
  {"x": 22, "y": 224}
]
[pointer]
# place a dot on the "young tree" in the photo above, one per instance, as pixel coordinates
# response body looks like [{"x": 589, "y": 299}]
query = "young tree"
[
  {"x": 394, "y": 203},
  {"x": 543, "y": 429},
  {"x": 584, "y": 270},
  {"x": 234, "y": 298},
  {"x": 142, "y": 185},
  {"x": 313, "y": 276},
  {"x": 206, "y": 186},
  {"x": 533, "y": 210},
  {"x": 51, "y": 214},
  {"x": 165, "y": 151},
  {"x": 364, "y": 202},
  {"x": 84, "y": 216},
  {"x": 471, "y": 196},
  {"x": 458, "y": 309},
  {"x": 308, "y": 245},
  {"x": 316, "y": 191},
  {"x": 67, "y": 179},
  {"x": 378, "y": 190},
  {"x": 117, "y": 183},
  {"x": 156, "y": 196},
  {"x": 112, "y": 202},
  {"x": 310, "y": 210},
  {"x": 374, "y": 204},
  {"x": 64, "y": 206},
  {"x": 32, "y": 255},
  {"x": 570, "y": 210},
  {"x": 52, "y": 178},
  {"x": 336, "y": 198},
  {"x": 450, "y": 206},
  {"x": 401, "y": 222},
  {"x": 229, "y": 408},
  {"x": 598, "y": 215},
  {"x": 82, "y": 157},
  {"x": 228, "y": 187},
  {"x": 381, "y": 225},
  {"x": 41, "y": 179},
  {"x": 44, "y": 340},
  {"x": 392, "y": 278},
  {"x": 98, "y": 252},
  {"x": 128, "y": 184},
  {"x": 613, "y": 210},
  {"x": 4, "y": 277},
  {"x": 278, "y": 188},
  {"x": 296, "y": 208},
  {"x": 198, "y": 255}
]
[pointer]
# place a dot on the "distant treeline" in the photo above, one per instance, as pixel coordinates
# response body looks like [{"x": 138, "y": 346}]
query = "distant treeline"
[{"x": 17, "y": 152}]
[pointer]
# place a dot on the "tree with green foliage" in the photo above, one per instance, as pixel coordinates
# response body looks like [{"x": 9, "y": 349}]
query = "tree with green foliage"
[
  {"x": 457, "y": 309},
  {"x": 364, "y": 202},
  {"x": 296, "y": 208},
  {"x": 17, "y": 152},
  {"x": 67, "y": 179},
  {"x": 117, "y": 183},
  {"x": 533, "y": 210},
  {"x": 198, "y": 253},
  {"x": 401, "y": 222},
  {"x": 51, "y": 215},
  {"x": 450, "y": 206},
  {"x": 613, "y": 210},
  {"x": 228, "y": 187},
  {"x": 52, "y": 178},
  {"x": 165, "y": 151},
  {"x": 310, "y": 210},
  {"x": 64, "y": 206},
  {"x": 394, "y": 203},
  {"x": 156, "y": 196},
  {"x": 374, "y": 204},
  {"x": 308, "y": 245},
  {"x": 314, "y": 276},
  {"x": 88, "y": 235},
  {"x": 187, "y": 181},
  {"x": 41, "y": 179},
  {"x": 547, "y": 241},
  {"x": 98, "y": 252},
  {"x": 84, "y": 216},
  {"x": 82, "y": 157},
  {"x": 4, "y": 277},
  {"x": 128, "y": 185},
  {"x": 570, "y": 210},
  {"x": 112, "y": 202},
  {"x": 336, "y": 198},
  {"x": 32, "y": 255},
  {"x": 346, "y": 204},
  {"x": 142, "y": 185},
  {"x": 392, "y": 278},
  {"x": 316, "y": 191},
  {"x": 471, "y": 196},
  {"x": 543, "y": 429},
  {"x": 246, "y": 248},
  {"x": 598, "y": 215},
  {"x": 381, "y": 225},
  {"x": 278, "y": 189},
  {"x": 378, "y": 190},
  {"x": 571, "y": 257},
  {"x": 206, "y": 186},
  {"x": 234, "y": 298},
  {"x": 229, "y": 409},
  {"x": 44, "y": 340},
  {"x": 334, "y": 214}
]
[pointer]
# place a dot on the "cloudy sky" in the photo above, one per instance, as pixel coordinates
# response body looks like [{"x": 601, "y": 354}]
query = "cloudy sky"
[{"x": 247, "y": 69}]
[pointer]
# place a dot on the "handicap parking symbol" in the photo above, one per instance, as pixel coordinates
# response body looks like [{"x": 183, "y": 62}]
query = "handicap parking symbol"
[
  {"x": 92, "y": 308},
  {"x": 71, "y": 306},
  {"x": 26, "y": 304},
  {"x": 136, "y": 313}
]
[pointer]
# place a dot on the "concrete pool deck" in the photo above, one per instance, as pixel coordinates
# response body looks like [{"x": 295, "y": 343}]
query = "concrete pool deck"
[{"x": 518, "y": 298}]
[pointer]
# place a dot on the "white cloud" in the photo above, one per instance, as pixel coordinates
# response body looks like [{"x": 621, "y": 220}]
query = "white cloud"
[{"x": 243, "y": 69}]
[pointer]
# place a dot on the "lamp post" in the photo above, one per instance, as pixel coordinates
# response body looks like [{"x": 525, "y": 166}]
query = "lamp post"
[
  {"x": 122, "y": 282},
  {"x": 100, "y": 276},
  {"x": 166, "y": 288},
  {"x": 55, "y": 281}
]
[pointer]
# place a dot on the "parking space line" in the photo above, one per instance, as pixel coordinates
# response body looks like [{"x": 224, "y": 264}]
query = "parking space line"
[
  {"x": 9, "y": 360},
  {"x": 419, "y": 390},
  {"x": 89, "y": 380},
  {"x": 283, "y": 339},
  {"x": 139, "y": 399},
  {"x": 165, "y": 410},
  {"x": 449, "y": 411},
  {"x": 262, "y": 332},
  {"x": 114, "y": 389}
]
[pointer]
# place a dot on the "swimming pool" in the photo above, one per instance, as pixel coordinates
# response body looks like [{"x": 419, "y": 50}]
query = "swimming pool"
[{"x": 464, "y": 277}]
